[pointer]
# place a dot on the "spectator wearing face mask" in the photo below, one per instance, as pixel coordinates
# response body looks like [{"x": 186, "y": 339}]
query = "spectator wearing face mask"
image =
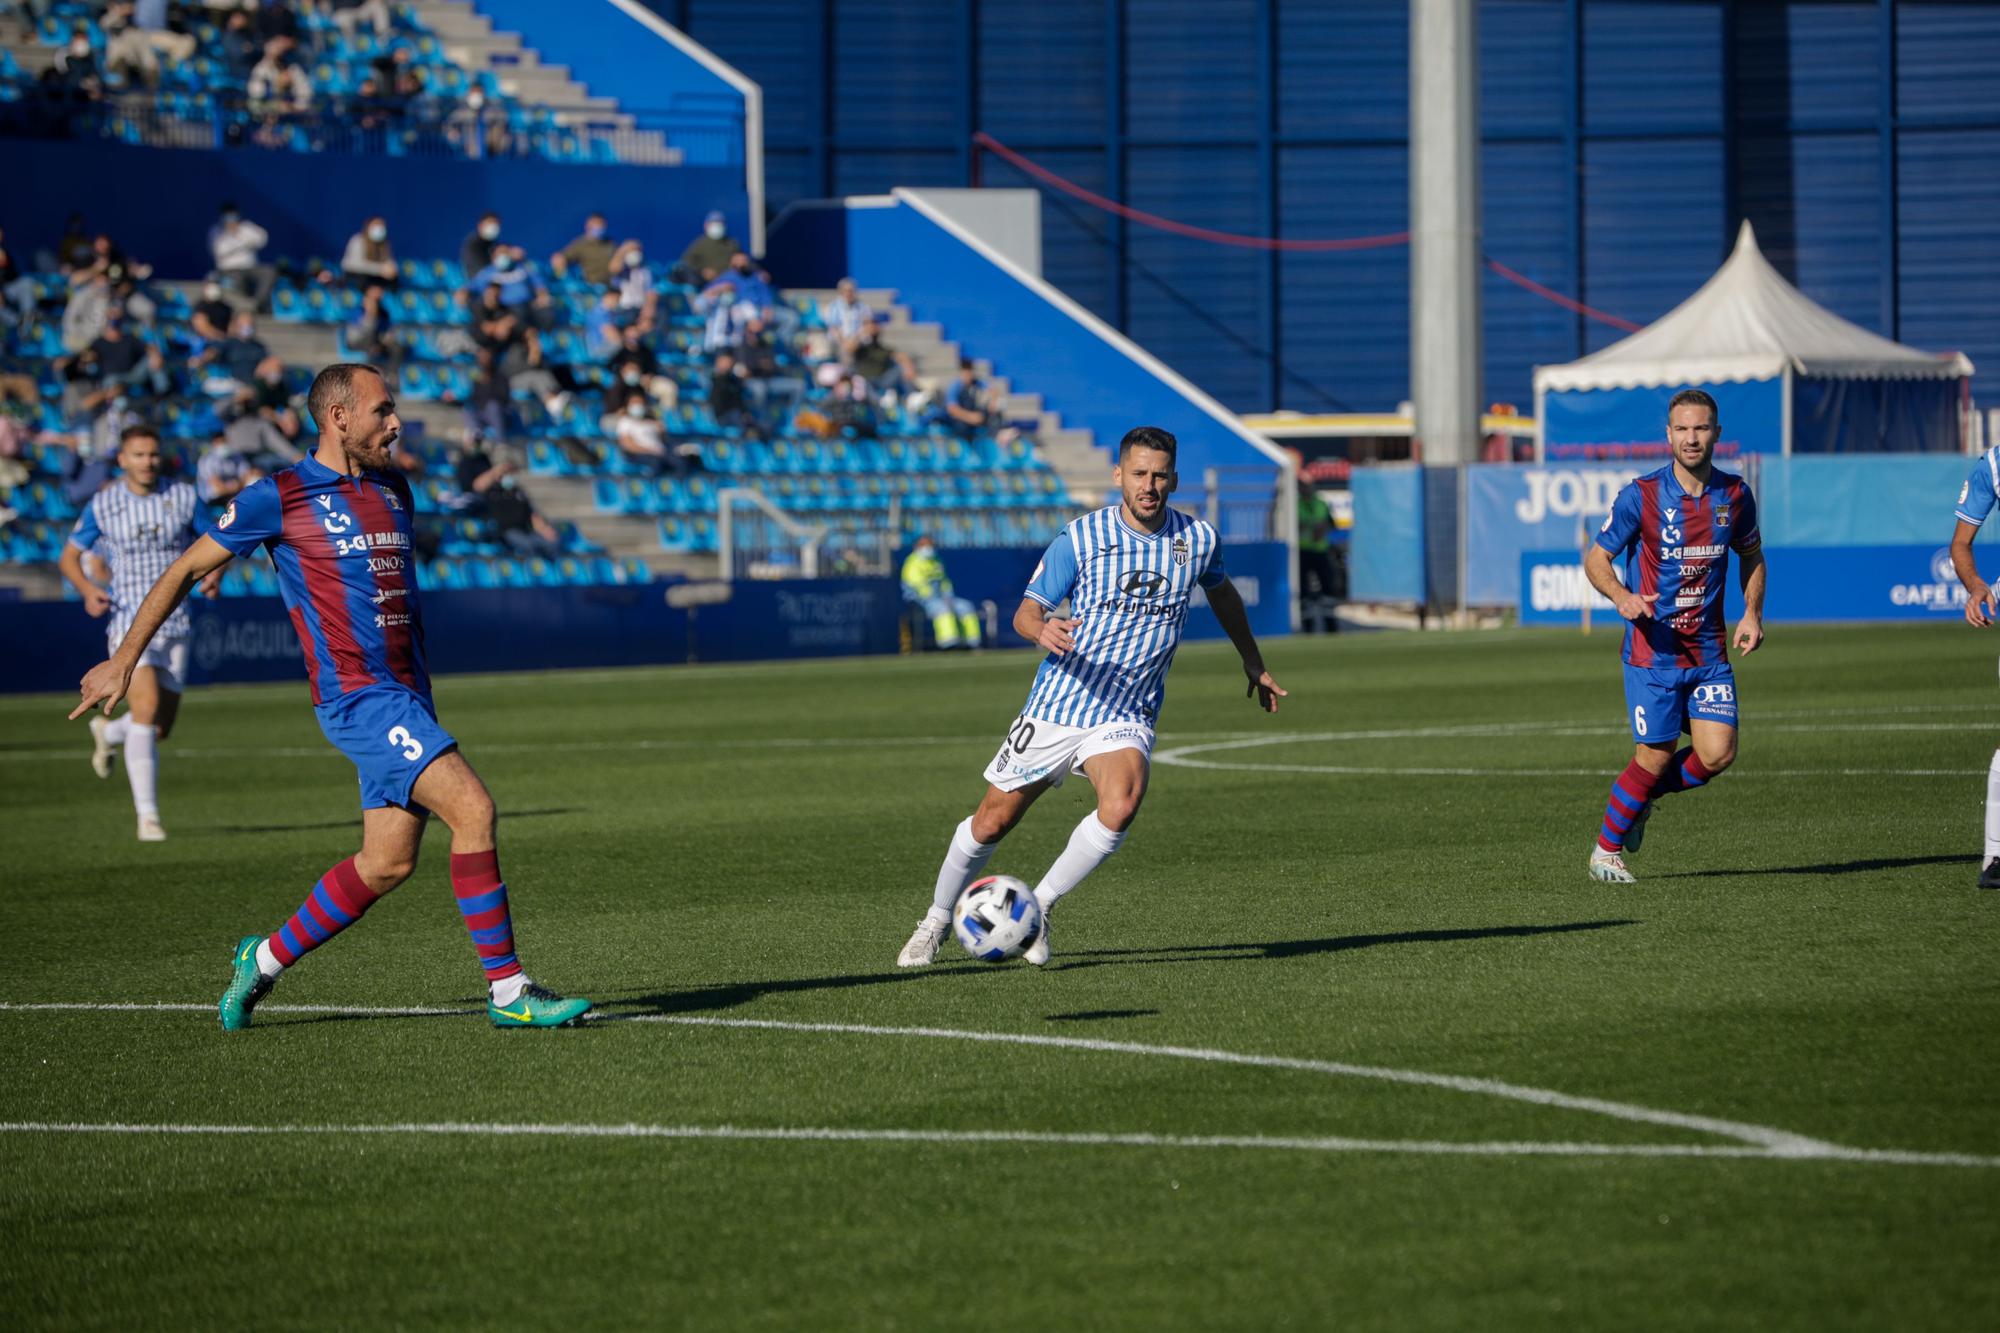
[
  {"x": 708, "y": 254},
  {"x": 589, "y": 254},
  {"x": 476, "y": 252},
  {"x": 236, "y": 244},
  {"x": 638, "y": 300},
  {"x": 522, "y": 293},
  {"x": 641, "y": 437},
  {"x": 368, "y": 259},
  {"x": 637, "y": 367},
  {"x": 211, "y": 314},
  {"x": 128, "y": 364}
]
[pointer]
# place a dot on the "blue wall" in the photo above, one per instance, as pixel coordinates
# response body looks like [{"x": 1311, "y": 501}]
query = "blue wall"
[
  {"x": 1860, "y": 136},
  {"x": 160, "y": 202},
  {"x": 994, "y": 315}
]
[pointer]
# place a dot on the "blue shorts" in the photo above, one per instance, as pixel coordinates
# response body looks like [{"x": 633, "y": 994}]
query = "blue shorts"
[
  {"x": 1663, "y": 700},
  {"x": 391, "y": 733}
]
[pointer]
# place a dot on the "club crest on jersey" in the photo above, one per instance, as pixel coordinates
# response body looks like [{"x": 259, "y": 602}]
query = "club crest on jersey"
[
  {"x": 1180, "y": 550},
  {"x": 228, "y": 516},
  {"x": 388, "y": 496},
  {"x": 1722, "y": 516},
  {"x": 1964, "y": 489}
]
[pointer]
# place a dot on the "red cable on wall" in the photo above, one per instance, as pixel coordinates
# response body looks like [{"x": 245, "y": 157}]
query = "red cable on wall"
[{"x": 981, "y": 139}]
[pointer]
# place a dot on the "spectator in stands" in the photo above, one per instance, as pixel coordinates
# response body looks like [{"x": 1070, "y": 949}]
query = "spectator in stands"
[
  {"x": 495, "y": 328},
  {"x": 230, "y": 366},
  {"x": 886, "y": 370},
  {"x": 590, "y": 254},
  {"x": 374, "y": 111},
  {"x": 642, "y": 438},
  {"x": 475, "y": 252},
  {"x": 151, "y": 17},
  {"x": 18, "y": 293},
  {"x": 727, "y": 398},
  {"x": 274, "y": 18},
  {"x": 349, "y": 15},
  {"x": 774, "y": 392},
  {"x": 78, "y": 68},
  {"x": 850, "y": 408},
  {"x": 371, "y": 336},
  {"x": 89, "y": 303},
  {"x": 602, "y": 337},
  {"x": 476, "y": 131},
  {"x": 211, "y": 315},
  {"x": 638, "y": 301},
  {"x": 75, "y": 250},
  {"x": 968, "y": 410},
  {"x": 637, "y": 367},
  {"x": 221, "y": 472},
  {"x": 279, "y": 85},
  {"x": 707, "y": 255},
  {"x": 488, "y": 406},
  {"x": 844, "y": 317},
  {"x": 82, "y": 394},
  {"x": 236, "y": 245},
  {"x": 127, "y": 365},
  {"x": 752, "y": 287},
  {"x": 727, "y": 318},
  {"x": 238, "y": 45},
  {"x": 127, "y": 51},
  {"x": 520, "y": 290},
  {"x": 493, "y": 489},
  {"x": 548, "y": 380},
  {"x": 368, "y": 258}
]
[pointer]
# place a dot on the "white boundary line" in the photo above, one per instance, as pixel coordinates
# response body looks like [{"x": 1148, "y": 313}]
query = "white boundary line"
[
  {"x": 1756, "y": 1140},
  {"x": 835, "y": 1134}
]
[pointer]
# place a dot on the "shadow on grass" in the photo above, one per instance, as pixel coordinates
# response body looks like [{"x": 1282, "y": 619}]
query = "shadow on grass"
[
  {"x": 730, "y": 995},
  {"x": 1832, "y": 867},
  {"x": 354, "y": 822},
  {"x": 1098, "y": 1015}
]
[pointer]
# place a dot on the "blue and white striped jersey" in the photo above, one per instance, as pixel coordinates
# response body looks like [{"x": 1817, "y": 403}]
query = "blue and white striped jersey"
[
  {"x": 1129, "y": 591},
  {"x": 1976, "y": 496},
  {"x": 139, "y": 536}
]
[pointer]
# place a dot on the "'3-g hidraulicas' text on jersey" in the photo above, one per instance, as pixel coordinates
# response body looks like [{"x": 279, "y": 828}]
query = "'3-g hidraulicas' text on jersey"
[
  {"x": 1129, "y": 592},
  {"x": 341, "y": 545},
  {"x": 1679, "y": 547}
]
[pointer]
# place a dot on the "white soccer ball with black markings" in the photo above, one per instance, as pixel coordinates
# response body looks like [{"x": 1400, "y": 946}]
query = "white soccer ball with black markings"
[{"x": 997, "y": 918}]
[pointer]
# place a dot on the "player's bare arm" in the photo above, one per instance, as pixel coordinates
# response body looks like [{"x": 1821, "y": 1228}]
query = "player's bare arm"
[
  {"x": 1227, "y": 603},
  {"x": 96, "y": 600},
  {"x": 1980, "y": 604},
  {"x": 1603, "y": 576},
  {"x": 1053, "y": 634},
  {"x": 105, "y": 684},
  {"x": 1750, "y": 628}
]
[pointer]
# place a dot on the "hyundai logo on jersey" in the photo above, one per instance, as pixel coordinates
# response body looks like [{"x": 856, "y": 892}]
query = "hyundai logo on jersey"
[{"x": 1143, "y": 583}]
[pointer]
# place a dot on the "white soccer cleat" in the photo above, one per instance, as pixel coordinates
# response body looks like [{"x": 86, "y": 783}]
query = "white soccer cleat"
[
  {"x": 101, "y": 752},
  {"x": 151, "y": 830},
  {"x": 1038, "y": 952},
  {"x": 922, "y": 949},
  {"x": 1609, "y": 867}
]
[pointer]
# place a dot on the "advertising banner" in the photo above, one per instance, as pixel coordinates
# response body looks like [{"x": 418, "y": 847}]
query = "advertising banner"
[{"x": 1510, "y": 509}]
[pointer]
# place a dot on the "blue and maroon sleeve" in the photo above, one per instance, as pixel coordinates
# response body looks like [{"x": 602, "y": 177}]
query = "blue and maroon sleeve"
[
  {"x": 1747, "y": 538},
  {"x": 1621, "y": 525},
  {"x": 255, "y": 516},
  {"x": 1976, "y": 496}
]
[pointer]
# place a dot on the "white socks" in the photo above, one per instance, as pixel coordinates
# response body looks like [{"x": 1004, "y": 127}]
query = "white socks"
[
  {"x": 508, "y": 989},
  {"x": 963, "y": 861},
  {"x": 1088, "y": 847},
  {"x": 267, "y": 960},
  {"x": 141, "y": 765},
  {"x": 114, "y": 730},
  {"x": 1993, "y": 807}
]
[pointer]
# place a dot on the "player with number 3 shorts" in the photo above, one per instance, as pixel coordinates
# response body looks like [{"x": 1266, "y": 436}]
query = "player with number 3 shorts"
[{"x": 1674, "y": 529}]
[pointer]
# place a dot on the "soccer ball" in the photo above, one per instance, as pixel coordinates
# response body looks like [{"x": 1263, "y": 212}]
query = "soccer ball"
[{"x": 996, "y": 918}]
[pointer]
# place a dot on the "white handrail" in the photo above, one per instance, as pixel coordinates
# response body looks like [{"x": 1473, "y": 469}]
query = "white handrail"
[{"x": 809, "y": 536}]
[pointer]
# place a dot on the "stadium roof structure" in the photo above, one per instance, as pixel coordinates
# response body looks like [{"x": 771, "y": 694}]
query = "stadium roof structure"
[{"x": 1748, "y": 323}]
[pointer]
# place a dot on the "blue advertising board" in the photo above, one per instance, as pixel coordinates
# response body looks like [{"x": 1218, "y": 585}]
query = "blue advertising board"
[
  {"x": 1511, "y": 509},
  {"x": 1803, "y": 584},
  {"x": 1611, "y": 424}
]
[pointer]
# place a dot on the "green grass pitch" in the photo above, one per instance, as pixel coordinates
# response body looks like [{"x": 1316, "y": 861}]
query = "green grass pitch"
[{"x": 1484, "y": 1093}]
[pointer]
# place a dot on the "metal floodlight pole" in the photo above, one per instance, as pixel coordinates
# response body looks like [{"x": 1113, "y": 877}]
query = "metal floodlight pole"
[{"x": 1444, "y": 229}]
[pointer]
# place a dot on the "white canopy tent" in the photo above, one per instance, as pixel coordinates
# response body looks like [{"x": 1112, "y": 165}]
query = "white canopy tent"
[{"x": 1747, "y": 325}]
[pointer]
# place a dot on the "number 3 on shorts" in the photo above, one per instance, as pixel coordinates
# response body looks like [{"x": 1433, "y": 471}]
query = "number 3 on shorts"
[
  {"x": 412, "y": 747},
  {"x": 1638, "y": 722}
]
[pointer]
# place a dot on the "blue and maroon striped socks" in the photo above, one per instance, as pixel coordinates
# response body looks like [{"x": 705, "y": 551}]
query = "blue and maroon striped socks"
[
  {"x": 1629, "y": 794},
  {"x": 482, "y": 899},
  {"x": 334, "y": 904}
]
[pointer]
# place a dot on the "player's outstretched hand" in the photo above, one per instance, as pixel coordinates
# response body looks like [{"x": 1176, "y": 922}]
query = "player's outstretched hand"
[
  {"x": 1634, "y": 605},
  {"x": 1749, "y": 633},
  {"x": 96, "y": 601},
  {"x": 211, "y": 585},
  {"x": 1055, "y": 636},
  {"x": 1979, "y": 608},
  {"x": 1266, "y": 691},
  {"x": 104, "y": 684}
]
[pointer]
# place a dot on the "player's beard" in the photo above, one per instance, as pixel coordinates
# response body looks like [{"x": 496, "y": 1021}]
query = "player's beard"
[{"x": 376, "y": 457}]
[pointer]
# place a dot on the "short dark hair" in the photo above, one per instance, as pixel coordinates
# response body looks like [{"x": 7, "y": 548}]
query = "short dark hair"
[
  {"x": 1699, "y": 398},
  {"x": 138, "y": 430},
  {"x": 334, "y": 387},
  {"x": 1150, "y": 437}
]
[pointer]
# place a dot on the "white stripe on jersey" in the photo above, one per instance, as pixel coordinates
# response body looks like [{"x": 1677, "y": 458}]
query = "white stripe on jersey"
[
  {"x": 1131, "y": 599},
  {"x": 140, "y": 536}
]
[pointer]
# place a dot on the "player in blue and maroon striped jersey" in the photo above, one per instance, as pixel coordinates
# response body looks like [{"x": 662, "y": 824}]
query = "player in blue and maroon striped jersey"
[
  {"x": 338, "y": 528},
  {"x": 1674, "y": 528}
]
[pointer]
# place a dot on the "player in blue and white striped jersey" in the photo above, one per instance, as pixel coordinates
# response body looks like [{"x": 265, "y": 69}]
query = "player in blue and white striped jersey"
[
  {"x": 139, "y": 526},
  {"x": 1128, "y": 572},
  {"x": 1975, "y": 503}
]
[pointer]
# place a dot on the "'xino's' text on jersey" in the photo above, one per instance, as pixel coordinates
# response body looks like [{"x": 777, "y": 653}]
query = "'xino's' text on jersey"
[
  {"x": 139, "y": 536},
  {"x": 1129, "y": 591},
  {"x": 341, "y": 545},
  {"x": 1678, "y": 547}
]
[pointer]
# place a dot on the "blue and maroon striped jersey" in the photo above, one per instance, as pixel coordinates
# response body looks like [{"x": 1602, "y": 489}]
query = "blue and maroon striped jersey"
[
  {"x": 341, "y": 545},
  {"x": 1679, "y": 547}
]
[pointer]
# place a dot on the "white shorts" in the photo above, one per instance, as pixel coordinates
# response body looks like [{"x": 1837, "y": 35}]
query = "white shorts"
[
  {"x": 1035, "y": 750},
  {"x": 169, "y": 660}
]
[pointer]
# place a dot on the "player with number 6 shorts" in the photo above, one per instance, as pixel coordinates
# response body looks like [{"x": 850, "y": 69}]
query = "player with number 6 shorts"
[
  {"x": 1674, "y": 529},
  {"x": 338, "y": 528},
  {"x": 1128, "y": 573}
]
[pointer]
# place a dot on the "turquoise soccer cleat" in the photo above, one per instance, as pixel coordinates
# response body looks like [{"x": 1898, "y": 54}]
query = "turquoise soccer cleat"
[
  {"x": 537, "y": 1007},
  {"x": 246, "y": 986}
]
